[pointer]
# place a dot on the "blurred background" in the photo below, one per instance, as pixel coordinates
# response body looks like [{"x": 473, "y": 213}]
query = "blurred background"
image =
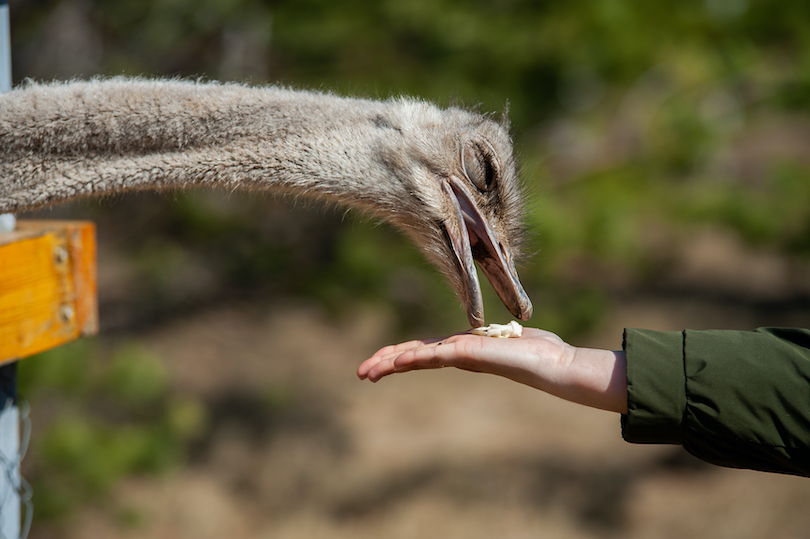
[{"x": 664, "y": 149}]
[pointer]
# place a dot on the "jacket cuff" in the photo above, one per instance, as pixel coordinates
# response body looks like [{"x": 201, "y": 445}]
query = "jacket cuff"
[{"x": 656, "y": 387}]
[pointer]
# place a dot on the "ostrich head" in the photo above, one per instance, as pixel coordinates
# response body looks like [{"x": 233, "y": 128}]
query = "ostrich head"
[
  {"x": 463, "y": 201},
  {"x": 447, "y": 178}
]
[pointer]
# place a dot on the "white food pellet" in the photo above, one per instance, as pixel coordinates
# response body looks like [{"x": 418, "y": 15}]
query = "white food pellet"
[{"x": 512, "y": 329}]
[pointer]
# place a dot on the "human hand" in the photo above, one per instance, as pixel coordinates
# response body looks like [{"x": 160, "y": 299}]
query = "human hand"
[{"x": 539, "y": 359}]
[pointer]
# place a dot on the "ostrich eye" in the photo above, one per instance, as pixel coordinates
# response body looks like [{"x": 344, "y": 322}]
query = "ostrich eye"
[{"x": 479, "y": 166}]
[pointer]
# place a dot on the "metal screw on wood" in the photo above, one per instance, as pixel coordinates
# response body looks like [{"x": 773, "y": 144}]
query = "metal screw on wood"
[
  {"x": 66, "y": 313},
  {"x": 60, "y": 255}
]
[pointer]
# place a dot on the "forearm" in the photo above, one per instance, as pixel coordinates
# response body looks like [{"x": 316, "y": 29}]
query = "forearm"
[{"x": 588, "y": 376}]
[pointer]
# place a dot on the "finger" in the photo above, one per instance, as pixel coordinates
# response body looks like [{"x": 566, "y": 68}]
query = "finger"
[
  {"x": 367, "y": 365},
  {"x": 381, "y": 368},
  {"x": 460, "y": 351},
  {"x": 386, "y": 368},
  {"x": 435, "y": 355},
  {"x": 382, "y": 354},
  {"x": 428, "y": 356},
  {"x": 388, "y": 351}
]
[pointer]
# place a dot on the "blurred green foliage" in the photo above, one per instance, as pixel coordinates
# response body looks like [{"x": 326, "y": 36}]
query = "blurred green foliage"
[{"x": 110, "y": 416}]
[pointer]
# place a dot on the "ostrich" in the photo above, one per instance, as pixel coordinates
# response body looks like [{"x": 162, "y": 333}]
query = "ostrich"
[{"x": 446, "y": 178}]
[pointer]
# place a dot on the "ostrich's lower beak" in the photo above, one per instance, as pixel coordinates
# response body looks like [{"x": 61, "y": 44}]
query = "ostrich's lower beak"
[{"x": 474, "y": 238}]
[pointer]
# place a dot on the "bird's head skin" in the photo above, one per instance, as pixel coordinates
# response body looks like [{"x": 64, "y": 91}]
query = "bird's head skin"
[{"x": 460, "y": 198}]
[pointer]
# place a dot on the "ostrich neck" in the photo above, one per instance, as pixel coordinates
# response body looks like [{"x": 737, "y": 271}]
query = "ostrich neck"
[{"x": 64, "y": 141}]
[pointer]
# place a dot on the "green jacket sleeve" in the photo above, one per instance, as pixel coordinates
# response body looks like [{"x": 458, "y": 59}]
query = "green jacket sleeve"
[{"x": 733, "y": 398}]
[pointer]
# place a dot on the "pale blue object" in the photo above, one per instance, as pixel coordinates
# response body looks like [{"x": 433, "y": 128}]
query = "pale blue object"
[{"x": 9, "y": 415}]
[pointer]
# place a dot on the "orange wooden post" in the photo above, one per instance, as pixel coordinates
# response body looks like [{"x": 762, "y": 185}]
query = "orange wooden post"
[{"x": 48, "y": 293}]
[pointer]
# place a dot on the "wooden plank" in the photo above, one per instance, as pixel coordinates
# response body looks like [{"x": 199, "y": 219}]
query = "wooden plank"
[{"x": 48, "y": 290}]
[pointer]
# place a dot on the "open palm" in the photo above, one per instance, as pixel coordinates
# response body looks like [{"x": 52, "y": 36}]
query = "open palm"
[{"x": 539, "y": 359}]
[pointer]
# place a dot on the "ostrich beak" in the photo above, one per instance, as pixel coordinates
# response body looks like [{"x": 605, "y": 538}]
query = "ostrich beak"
[{"x": 474, "y": 239}]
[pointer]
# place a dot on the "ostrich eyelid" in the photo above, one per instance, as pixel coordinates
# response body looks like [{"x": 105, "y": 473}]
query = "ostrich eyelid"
[{"x": 479, "y": 164}]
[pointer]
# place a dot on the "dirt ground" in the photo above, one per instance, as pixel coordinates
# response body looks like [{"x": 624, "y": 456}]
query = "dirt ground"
[{"x": 438, "y": 454}]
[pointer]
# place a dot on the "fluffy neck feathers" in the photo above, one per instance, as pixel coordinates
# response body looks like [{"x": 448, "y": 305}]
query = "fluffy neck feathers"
[{"x": 67, "y": 140}]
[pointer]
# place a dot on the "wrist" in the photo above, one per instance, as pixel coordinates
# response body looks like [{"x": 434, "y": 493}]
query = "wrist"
[{"x": 599, "y": 379}]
